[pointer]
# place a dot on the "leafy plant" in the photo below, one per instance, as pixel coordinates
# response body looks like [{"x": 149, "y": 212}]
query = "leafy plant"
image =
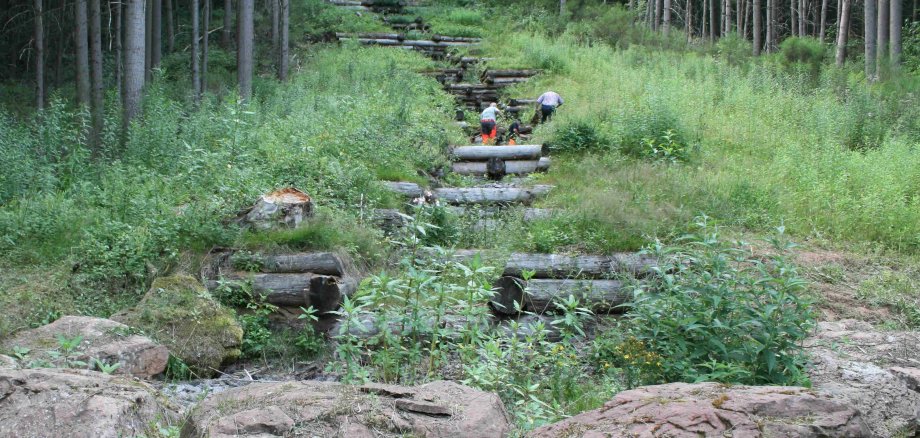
[{"x": 105, "y": 367}]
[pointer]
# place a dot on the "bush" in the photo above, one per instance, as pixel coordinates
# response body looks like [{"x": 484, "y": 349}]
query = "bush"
[
  {"x": 578, "y": 136},
  {"x": 717, "y": 314}
]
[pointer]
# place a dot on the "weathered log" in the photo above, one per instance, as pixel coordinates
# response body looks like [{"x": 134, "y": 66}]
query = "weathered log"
[
  {"x": 371, "y": 35},
  {"x": 316, "y": 262},
  {"x": 541, "y": 295},
  {"x": 503, "y": 82},
  {"x": 491, "y": 195},
  {"x": 455, "y": 39},
  {"x": 482, "y": 153},
  {"x": 522, "y": 102},
  {"x": 323, "y": 292},
  {"x": 586, "y": 266},
  {"x": 512, "y": 167},
  {"x": 404, "y": 188},
  {"x": 506, "y": 73}
]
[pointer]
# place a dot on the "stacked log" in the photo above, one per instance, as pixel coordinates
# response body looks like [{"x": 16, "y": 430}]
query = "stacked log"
[
  {"x": 437, "y": 49},
  {"x": 512, "y": 167},
  {"x": 474, "y": 195},
  {"x": 290, "y": 280},
  {"x": 518, "y": 159}
]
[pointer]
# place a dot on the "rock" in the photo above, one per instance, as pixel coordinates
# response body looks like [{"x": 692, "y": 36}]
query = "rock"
[
  {"x": 7, "y": 362},
  {"x": 873, "y": 371},
  {"x": 102, "y": 339},
  {"x": 712, "y": 409},
  {"x": 331, "y": 409},
  {"x": 181, "y": 314},
  {"x": 285, "y": 208},
  {"x": 78, "y": 403}
]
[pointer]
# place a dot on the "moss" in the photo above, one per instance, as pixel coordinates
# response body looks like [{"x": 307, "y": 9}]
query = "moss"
[{"x": 179, "y": 312}]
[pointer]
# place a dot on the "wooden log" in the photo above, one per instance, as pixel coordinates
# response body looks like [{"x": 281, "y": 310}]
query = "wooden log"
[
  {"x": 512, "y": 167},
  {"x": 585, "y": 266},
  {"x": 390, "y": 219},
  {"x": 505, "y": 81},
  {"x": 522, "y": 102},
  {"x": 482, "y": 153},
  {"x": 404, "y": 188},
  {"x": 507, "y": 73},
  {"x": 316, "y": 262},
  {"x": 380, "y": 42},
  {"x": 541, "y": 295},
  {"x": 491, "y": 195},
  {"x": 323, "y": 292},
  {"x": 455, "y": 39}
]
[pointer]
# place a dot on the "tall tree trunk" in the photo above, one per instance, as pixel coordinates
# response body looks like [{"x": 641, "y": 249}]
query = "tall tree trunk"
[
  {"x": 134, "y": 58},
  {"x": 196, "y": 78},
  {"x": 712, "y": 20},
  {"x": 82, "y": 52},
  {"x": 656, "y": 20},
  {"x": 870, "y": 34},
  {"x": 61, "y": 48},
  {"x": 793, "y": 27},
  {"x": 204, "y": 46},
  {"x": 244, "y": 49},
  {"x": 739, "y": 17},
  {"x": 747, "y": 18},
  {"x": 157, "y": 28},
  {"x": 39, "y": 30},
  {"x": 119, "y": 59},
  {"x": 881, "y": 54},
  {"x": 285, "y": 39},
  {"x": 821, "y": 29},
  {"x": 768, "y": 39},
  {"x": 148, "y": 39},
  {"x": 803, "y": 7},
  {"x": 666, "y": 17},
  {"x": 726, "y": 17},
  {"x": 758, "y": 43},
  {"x": 688, "y": 20},
  {"x": 894, "y": 35},
  {"x": 170, "y": 27},
  {"x": 703, "y": 28},
  {"x": 225, "y": 39},
  {"x": 276, "y": 33},
  {"x": 96, "y": 86},
  {"x": 561, "y": 7},
  {"x": 843, "y": 32}
]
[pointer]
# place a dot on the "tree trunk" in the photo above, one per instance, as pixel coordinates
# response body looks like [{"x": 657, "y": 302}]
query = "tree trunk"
[
  {"x": 540, "y": 295},
  {"x": 491, "y": 195},
  {"x": 170, "y": 27},
  {"x": 96, "y": 86},
  {"x": 870, "y": 15},
  {"x": 134, "y": 58},
  {"x": 157, "y": 39},
  {"x": 656, "y": 20},
  {"x": 512, "y": 167},
  {"x": 119, "y": 59},
  {"x": 843, "y": 33},
  {"x": 561, "y": 8},
  {"x": 881, "y": 53},
  {"x": 276, "y": 23},
  {"x": 244, "y": 37},
  {"x": 821, "y": 29},
  {"x": 196, "y": 78},
  {"x": 894, "y": 36},
  {"x": 225, "y": 39},
  {"x": 581, "y": 266},
  {"x": 704, "y": 30},
  {"x": 758, "y": 43},
  {"x": 771, "y": 25},
  {"x": 712, "y": 20},
  {"x": 39, "y": 35},
  {"x": 666, "y": 17},
  {"x": 82, "y": 53},
  {"x": 284, "y": 56},
  {"x": 793, "y": 26},
  {"x": 148, "y": 39},
  {"x": 726, "y": 17},
  {"x": 802, "y": 12},
  {"x": 61, "y": 46},
  {"x": 688, "y": 20},
  {"x": 324, "y": 293},
  {"x": 206, "y": 36}
]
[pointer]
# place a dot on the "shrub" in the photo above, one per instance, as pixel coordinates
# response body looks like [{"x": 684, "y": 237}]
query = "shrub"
[
  {"x": 578, "y": 136},
  {"x": 716, "y": 314}
]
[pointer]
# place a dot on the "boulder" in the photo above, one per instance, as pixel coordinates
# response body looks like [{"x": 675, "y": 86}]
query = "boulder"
[
  {"x": 713, "y": 409},
  {"x": 51, "y": 402},
  {"x": 102, "y": 339},
  {"x": 331, "y": 409},
  {"x": 179, "y": 312},
  {"x": 284, "y": 208},
  {"x": 873, "y": 371}
]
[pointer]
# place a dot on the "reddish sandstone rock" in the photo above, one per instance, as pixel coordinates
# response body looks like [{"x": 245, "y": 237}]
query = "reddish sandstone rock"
[{"x": 712, "y": 409}]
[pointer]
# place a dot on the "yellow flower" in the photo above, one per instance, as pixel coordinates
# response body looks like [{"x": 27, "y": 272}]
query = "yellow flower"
[{"x": 626, "y": 356}]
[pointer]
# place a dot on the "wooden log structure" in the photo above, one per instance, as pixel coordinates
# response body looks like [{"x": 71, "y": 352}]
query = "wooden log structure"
[
  {"x": 491, "y": 195},
  {"x": 509, "y": 73},
  {"x": 584, "y": 266},
  {"x": 522, "y": 102},
  {"x": 405, "y": 188},
  {"x": 482, "y": 153},
  {"x": 454, "y": 39},
  {"x": 323, "y": 292},
  {"x": 541, "y": 295},
  {"x": 325, "y": 263},
  {"x": 512, "y": 167}
]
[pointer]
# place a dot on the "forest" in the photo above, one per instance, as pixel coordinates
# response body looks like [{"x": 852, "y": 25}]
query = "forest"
[{"x": 730, "y": 193}]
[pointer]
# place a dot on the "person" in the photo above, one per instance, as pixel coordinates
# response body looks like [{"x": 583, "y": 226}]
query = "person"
[
  {"x": 487, "y": 121},
  {"x": 514, "y": 132},
  {"x": 549, "y": 101}
]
